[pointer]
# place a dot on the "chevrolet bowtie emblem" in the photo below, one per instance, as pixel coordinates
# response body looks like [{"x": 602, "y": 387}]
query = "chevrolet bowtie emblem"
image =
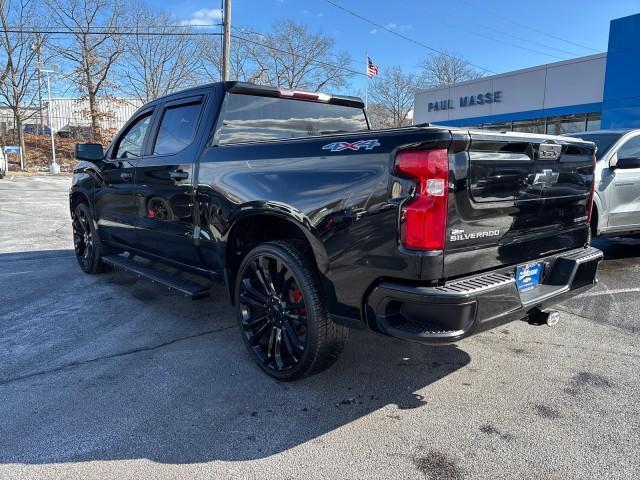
[{"x": 546, "y": 178}]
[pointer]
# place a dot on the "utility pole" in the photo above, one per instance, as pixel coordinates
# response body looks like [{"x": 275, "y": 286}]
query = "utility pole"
[{"x": 227, "y": 40}]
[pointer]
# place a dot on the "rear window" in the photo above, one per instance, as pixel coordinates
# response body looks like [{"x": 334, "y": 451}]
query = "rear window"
[
  {"x": 249, "y": 118},
  {"x": 604, "y": 141},
  {"x": 177, "y": 128}
]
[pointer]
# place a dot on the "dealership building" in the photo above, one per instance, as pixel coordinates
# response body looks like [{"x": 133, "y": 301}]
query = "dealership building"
[{"x": 586, "y": 93}]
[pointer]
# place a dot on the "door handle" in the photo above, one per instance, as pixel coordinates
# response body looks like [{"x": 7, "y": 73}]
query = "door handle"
[
  {"x": 179, "y": 175},
  {"x": 126, "y": 176}
]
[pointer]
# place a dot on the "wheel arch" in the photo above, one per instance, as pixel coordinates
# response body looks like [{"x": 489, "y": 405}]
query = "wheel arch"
[
  {"x": 76, "y": 197},
  {"x": 597, "y": 213},
  {"x": 255, "y": 228}
]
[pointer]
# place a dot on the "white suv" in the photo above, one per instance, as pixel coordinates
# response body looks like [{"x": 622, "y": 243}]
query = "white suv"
[{"x": 616, "y": 202}]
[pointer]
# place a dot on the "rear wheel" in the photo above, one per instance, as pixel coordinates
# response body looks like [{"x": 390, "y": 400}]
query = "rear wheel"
[
  {"x": 284, "y": 323},
  {"x": 86, "y": 241}
]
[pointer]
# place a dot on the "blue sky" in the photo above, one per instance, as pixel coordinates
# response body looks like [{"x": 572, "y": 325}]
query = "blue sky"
[{"x": 483, "y": 32}]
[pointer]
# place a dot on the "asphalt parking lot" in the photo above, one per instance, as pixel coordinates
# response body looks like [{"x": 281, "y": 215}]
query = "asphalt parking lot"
[{"x": 109, "y": 376}]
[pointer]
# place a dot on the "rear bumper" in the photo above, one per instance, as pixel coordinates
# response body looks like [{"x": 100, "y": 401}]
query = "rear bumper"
[{"x": 472, "y": 304}]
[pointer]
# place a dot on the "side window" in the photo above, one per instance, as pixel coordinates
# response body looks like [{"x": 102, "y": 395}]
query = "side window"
[
  {"x": 177, "y": 128},
  {"x": 130, "y": 145},
  {"x": 631, "y": 149}
]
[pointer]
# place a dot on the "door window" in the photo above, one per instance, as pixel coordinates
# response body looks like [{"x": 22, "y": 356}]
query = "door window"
[
  {"x": 631, "y": 149},
  {"x": 177, "y": 129},
  {"x": 131, "y": 144}
]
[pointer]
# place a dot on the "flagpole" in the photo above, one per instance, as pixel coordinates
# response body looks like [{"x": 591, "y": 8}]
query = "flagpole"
[{"x": 366, "y": 81}]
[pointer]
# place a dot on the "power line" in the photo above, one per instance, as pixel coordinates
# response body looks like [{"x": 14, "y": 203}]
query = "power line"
[
  {"x": 106, "y": 31},
  {"x": 543, "y": 45},
  {"x": 248, "y": 40},
  {"x": 287, "y": 52},
  {"x": 529, "y": 27},
  {"x": 504, "y": 42},
  {"x": 400, "y": 35},
  {"x": 471, "y": 31},
  {"x": 183, "y": 24}
]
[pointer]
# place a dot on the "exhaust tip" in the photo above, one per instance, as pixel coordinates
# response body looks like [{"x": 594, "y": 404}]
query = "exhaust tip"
[
  {"x": 546, "y": 317},
  {"x": 553, "y": 317}
]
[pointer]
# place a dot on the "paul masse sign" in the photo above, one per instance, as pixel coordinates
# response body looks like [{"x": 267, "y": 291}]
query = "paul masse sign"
[{"x": 467, "y": 101}]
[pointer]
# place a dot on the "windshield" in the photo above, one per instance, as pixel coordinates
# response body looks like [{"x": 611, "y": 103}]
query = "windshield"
[{"x": 604, "y": 141}]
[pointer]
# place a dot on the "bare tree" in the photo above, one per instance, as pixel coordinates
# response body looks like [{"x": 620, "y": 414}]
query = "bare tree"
[
  {"x": 18, "y": 90},
  {"x": 94, "y": 47},
  {"x": 447, "y": 68},
  {"x": 242, "y": 66},
  {"x": 391, "y": 98},
  {"x": 289, "y": 56},
  {"x": 155, "y": 65},
  {"x": 293, "y": 57}
]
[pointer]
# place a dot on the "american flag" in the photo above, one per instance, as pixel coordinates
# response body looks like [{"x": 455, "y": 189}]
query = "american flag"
[{"x": 372, "y": 69}]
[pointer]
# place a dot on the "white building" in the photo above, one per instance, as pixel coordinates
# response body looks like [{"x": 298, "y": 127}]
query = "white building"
[
  {"x": 74, "y": 112},
  {"x": 586, "y": 93}
]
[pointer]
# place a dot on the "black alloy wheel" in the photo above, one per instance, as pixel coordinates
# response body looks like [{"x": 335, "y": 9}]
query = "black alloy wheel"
[
  {"x": 86, "y": 241},
  {"x": 284, "y": 324},
  {"x": 273, "y": 312}
]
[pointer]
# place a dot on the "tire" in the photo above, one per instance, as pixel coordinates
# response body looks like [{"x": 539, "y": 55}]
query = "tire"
[
  {"x": 86, "y": 241},
  {"x": 283, "y": 320}
]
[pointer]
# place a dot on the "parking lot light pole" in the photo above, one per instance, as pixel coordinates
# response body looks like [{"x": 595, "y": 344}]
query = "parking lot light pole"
[{"x": 54, "y": 167}]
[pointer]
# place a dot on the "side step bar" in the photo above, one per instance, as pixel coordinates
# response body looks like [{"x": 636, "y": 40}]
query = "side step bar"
[{"x": 174, "y": 281}]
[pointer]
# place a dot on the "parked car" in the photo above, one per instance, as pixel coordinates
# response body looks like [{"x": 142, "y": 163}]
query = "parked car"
[
  {"x": 34, "y": 129},
  {"x": 317, "y": 224},
  {"x": 75, "y": 131},
  {"x": 616, "y": 202}
]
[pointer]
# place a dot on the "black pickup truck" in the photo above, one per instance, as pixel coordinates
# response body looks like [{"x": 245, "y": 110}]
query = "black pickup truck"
[{"x": 318, "y": 224}]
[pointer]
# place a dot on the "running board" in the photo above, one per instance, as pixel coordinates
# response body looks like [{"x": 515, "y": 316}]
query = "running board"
[{"x": 173, "y": 281}]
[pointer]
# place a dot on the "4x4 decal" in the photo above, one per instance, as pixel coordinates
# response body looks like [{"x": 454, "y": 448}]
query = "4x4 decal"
[{"x": 340, "y": 146}]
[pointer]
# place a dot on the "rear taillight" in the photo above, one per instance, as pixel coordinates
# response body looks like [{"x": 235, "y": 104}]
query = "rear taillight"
[
  {"x": 593, "y": 187},
  {"x": 423, "y": 219}
]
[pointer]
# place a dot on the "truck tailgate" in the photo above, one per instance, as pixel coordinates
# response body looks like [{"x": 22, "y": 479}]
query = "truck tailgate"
[{"x": 516, "y": 197}]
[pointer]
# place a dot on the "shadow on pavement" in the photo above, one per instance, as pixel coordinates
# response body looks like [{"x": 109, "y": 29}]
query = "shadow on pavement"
[
  {"x": 618, "y": 248},
  {"x": 109, "y": 367}
]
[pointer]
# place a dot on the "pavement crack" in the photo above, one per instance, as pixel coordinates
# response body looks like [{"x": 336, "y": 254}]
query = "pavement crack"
[
  {"x": 111, "y": 356},
  {"x": 18, "y": 213}
]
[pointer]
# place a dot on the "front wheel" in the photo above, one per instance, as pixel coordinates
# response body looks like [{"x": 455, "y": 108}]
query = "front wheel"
[
  {"x": 283, "y": 320},
  {"x": 86, "y": 241}
]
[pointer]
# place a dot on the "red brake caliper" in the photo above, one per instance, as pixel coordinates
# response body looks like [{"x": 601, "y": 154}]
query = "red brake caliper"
[{"x": 296, "y": 297}]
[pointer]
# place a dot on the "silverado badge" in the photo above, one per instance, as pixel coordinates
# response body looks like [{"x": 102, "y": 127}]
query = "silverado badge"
[{"x": 340, "y": 146}]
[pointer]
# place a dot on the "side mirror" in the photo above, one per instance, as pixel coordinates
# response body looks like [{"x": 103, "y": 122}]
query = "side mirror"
[
  {"x": 628, "y": 162},
  {"x": 89, "y": 151}
]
